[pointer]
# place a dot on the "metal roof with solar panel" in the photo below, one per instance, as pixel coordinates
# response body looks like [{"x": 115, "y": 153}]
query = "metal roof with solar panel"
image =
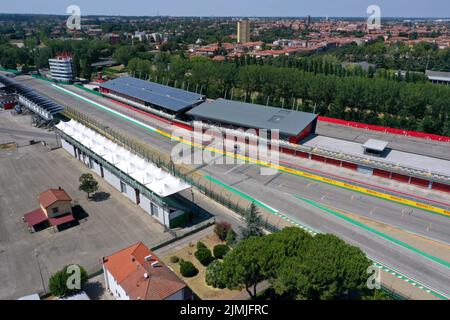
[{"x": 166, "y": 97}]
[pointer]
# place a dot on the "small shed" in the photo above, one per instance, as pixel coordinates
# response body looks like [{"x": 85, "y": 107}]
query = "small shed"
[{"x": 375, "y": 147}]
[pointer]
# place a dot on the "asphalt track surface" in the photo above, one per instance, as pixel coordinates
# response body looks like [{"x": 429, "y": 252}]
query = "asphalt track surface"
[{"x": 282, "y": 190}]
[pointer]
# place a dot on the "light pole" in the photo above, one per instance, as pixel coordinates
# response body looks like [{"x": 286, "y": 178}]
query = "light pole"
[
  {"x": 36, "y": 254},
  {"x": 193, "y": 204}
]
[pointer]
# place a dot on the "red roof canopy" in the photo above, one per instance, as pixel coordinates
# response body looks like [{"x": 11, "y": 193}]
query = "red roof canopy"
[
  {"x": 61, "y": 220},
  {"x": 35, "y": 217}
]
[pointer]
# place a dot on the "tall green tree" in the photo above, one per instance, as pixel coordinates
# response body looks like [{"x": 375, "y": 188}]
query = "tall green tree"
[
  {"x": 85, "y": 68},
  {"x": 88, "y": 184},
  {"x": 68, "y": 281},
  {"x": 241, "y": 267},
  {"x": 253, "y": 223},
  {"x": 329, "y": 269}
]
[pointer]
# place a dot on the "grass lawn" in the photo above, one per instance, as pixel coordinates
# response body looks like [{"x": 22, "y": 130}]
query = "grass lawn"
[{"x": 197, "y": 283}]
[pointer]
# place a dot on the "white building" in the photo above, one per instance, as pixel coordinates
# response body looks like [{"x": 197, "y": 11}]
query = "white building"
[
  {"x": 139, "y": 180},
  {"x": 61, "y": 68},
  {"x": 136, "y": 273}
]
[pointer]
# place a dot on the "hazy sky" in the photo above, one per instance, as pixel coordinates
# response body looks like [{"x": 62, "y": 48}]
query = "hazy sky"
[{"x": 389, "y": 8}]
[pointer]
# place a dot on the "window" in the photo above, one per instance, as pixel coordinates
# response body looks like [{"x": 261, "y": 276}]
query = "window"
[{"x": 55, "y": 210}]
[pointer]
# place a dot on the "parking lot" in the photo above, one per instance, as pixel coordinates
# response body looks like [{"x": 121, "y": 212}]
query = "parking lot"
[{"x": 109, "y": 225}]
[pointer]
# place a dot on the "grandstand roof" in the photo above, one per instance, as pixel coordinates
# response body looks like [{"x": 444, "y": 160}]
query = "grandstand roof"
[
  {"x": 288, "y": 122},
  {"x": 46, "y": 106},
  {"x": 438, "y": 75},
  {"x": 166, "y": 97},
  {"x": 146, "y": 173}
]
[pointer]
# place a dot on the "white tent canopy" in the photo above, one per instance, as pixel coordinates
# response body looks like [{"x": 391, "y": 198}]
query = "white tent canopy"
[{"x": 146, "y": 173}]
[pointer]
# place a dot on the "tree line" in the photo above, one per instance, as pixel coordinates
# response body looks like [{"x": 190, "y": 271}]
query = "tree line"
[
  {"x": 418, "y": 57},
  {"x": 378, "y": 100}
]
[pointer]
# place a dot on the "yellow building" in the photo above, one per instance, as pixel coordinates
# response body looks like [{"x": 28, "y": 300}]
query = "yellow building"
[
  {"x": 55, "y": 203},
  {"x": 243, "y": 31}
]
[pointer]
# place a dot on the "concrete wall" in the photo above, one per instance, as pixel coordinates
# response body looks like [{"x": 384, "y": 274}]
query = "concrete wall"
[
  {"x": 115, "y": 288},
  {"x": 146, "y": 206},
  {"x": 96, "y": 168},
  {"x": 112, "y": 179},
  {"x": 131, "y": 193},
  {"x": 63, "y": 208},
  {"x": 68, "y": 147}
]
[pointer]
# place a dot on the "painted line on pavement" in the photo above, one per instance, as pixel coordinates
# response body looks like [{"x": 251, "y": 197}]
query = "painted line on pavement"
[
  {"x": 374, "y": 231},
  {"x": 263, "y": 205},
  {"x": 409, "y": 279},
  {"x": 314, "y": 232}
]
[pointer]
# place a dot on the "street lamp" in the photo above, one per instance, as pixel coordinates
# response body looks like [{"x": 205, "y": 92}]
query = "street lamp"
[{"x": 36, "y": 254}]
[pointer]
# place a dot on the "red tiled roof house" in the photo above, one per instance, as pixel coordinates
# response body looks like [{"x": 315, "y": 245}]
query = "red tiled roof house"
[
  {"x": 55, "y": 203},
  {"x": 136, "y": 273},
  {"x": 55, "y": 210}
]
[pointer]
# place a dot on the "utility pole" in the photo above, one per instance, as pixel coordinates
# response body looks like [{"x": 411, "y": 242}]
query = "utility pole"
[
  {"x": 36, "y": 253},
  {"x": 193, "y": 202}
]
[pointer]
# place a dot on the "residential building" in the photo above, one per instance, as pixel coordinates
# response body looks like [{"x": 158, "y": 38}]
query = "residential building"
[
  {"x": 243, "y": 31},
  {"x": 136, "y": 273}
]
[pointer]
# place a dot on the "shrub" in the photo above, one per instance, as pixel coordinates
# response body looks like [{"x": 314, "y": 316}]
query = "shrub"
[
  {"x": 213, "y": 275},
  {"x": 221, "y": 229},
  {"x": 63, "y": 282},
  {"x": 200, "y": 245},
  {"x": 204, "y": 255},
  {"x": 174, "y": 259},
  {"x": 231, "y": 238},
  {"x": 220, "y": 250},
  {"x": 187, "y": 269}
]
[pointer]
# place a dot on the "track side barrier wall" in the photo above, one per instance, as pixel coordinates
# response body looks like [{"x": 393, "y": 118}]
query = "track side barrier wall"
[{"x": 409, "y": 133}]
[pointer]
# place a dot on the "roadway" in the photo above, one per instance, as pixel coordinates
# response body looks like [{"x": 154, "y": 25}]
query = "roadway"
[
  {"x": 413, "y": 220},
  {"x": 279, "y": 191}
]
